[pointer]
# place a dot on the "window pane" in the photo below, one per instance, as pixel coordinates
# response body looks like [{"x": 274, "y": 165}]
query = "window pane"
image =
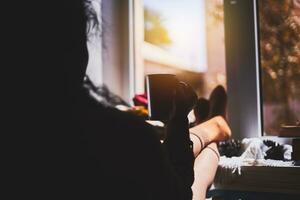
[
  {"x": 177, "y": 28},
  {"x": 185, "y": 38},
  {"x": 280, "y": 63}
]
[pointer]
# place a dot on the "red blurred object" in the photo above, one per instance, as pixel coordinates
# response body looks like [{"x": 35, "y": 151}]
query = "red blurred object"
[{"x": 140, "y": 100}]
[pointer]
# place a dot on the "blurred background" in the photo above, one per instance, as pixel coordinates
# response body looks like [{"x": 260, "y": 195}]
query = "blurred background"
[
  {"x": 140, "y": 37},
  {"x": 186, "y": 38},
  {"x": 280, "y": 63}
]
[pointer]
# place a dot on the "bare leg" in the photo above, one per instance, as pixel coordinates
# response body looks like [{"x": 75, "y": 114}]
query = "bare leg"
[
  {"x": 205, "y": 168},
  {"x": 213, "y": 130},
  {"x": 204, "y": 137}
]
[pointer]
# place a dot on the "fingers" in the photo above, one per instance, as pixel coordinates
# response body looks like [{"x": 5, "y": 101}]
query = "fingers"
[
  {"x": 185, "y": 98},
  {"x": 189, "y": 95}
]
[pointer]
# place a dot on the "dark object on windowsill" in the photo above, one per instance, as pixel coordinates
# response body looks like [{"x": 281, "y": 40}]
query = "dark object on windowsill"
[
  {"x": 296, "y": 156},
  {"x": 296, "y": 144},
  {"x": 276, "y": 151},
  {"x": 230, "y": 148},
  {"x": 290, "y": 130},
  {"x": 140, "y": 100},
  {"x": 296, "y": 149},
  {"x": 139, "y": 111}
]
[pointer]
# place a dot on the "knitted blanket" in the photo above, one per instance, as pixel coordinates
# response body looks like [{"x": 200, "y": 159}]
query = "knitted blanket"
[{"x": 254, "y": 151}]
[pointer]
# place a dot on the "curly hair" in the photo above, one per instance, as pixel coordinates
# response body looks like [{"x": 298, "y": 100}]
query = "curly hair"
[{"x": 93, "y": 22}]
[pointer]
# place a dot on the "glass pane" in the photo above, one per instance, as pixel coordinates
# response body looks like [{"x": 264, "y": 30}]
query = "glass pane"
[
  {"x": 280, "y": 63},
  {"x": 178, "y": 28},
  {"x": 185, "y": 38}
]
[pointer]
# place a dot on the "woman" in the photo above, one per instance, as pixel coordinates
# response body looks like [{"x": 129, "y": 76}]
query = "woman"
[{"x": 76, "y": 148}]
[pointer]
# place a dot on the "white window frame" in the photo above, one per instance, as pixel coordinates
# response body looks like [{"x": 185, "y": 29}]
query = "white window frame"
[{"x": 136, "y": 39}]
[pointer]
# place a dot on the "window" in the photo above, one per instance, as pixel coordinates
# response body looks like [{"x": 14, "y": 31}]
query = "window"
[
  {"x": 174, "y": 34},
  {"x": 190, "y": 43},
  {"x": 185, "y": 38},
  {"x": 280, "y": 63}
]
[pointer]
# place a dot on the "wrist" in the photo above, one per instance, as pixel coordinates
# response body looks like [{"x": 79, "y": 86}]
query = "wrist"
[{"x": 177, "y": 130}]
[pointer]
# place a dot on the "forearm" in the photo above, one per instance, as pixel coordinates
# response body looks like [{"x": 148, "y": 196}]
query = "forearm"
[
  {"x": 178, "y": 141},
  {"x": 178, "y": 146},
  {"x": 205, "y": 168}
]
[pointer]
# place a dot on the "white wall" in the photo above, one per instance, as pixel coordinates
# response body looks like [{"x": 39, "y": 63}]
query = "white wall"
[
  {"x": 94, "y": 69},
  {"x": 115, "y": 46}
]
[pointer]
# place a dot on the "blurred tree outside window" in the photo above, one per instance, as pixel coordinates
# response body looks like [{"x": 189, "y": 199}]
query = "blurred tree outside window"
[
  {"x": 280, "y": 62},
  {"x": 155, "y": 31}
]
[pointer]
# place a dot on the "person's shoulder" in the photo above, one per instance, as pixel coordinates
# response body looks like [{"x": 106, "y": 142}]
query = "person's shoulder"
[
  {"x": 129, "y": 121},
  {"x": 113, "y": 121}
]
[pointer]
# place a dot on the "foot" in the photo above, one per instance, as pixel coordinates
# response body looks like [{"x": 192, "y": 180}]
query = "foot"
[
  {"x": 218, "y": 102},
  {"x": 201, "y": 110}
]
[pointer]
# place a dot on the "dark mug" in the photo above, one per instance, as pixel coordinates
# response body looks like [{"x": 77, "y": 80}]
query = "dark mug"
[{"x": 160, "y": 94}]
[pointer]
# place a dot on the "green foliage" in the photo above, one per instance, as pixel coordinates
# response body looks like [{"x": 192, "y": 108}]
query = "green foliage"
[
  {"x": 155, "y": 32},
  {"x": 280, "y": 49}
]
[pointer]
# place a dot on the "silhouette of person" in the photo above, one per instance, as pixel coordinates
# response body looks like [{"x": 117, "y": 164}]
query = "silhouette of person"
[{"x": 66, "y": 145}]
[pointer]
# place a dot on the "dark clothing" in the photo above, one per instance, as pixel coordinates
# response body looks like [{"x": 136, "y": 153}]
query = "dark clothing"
[
  {"x": 64, "y": 145},
  {"x": 128, "y": 157}
]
